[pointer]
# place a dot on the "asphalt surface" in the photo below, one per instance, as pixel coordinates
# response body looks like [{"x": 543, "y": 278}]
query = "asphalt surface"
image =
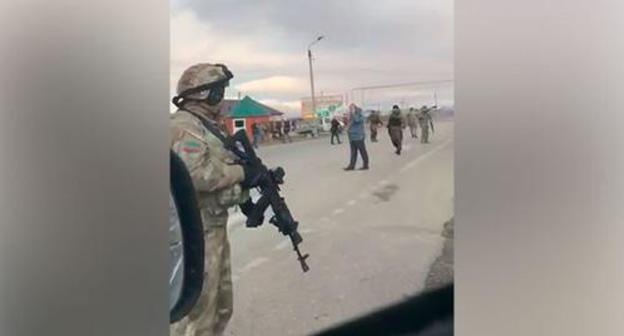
[
  {"x": 441, "y": 271},
  {"x": 374, "y": 237}
]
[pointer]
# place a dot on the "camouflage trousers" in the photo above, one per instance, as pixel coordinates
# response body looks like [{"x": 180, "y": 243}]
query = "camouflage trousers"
[
  {"x": 413, "y": 131},
  {"x": 424, "y": 134},
  {"x": 396, "y": 136},
  {"x": 215, "y": 305}
]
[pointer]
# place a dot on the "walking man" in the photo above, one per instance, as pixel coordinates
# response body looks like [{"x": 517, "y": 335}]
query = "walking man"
[
  {"x": 412, "y": 122},
  {"x": 396, "y": 124},
  {"x": 356, "y": 134},
  {"x": 374, "y": 123},
  {"x": 287, "y": 131},
  {"x": 425, "y": 121},
  {"x": 256, "y": 133},
  {"x": 278, "y": 130},
  {"x": 335, "y": 130}
]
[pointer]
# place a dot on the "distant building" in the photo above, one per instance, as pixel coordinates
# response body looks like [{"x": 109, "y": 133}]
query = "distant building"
[
  {"x": 241, "y": 114},
  {"x": 325, "y": 106}
]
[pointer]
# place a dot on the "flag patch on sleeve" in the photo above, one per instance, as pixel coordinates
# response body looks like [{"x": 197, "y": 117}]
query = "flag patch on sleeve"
[{"x": 191, "y": 147}]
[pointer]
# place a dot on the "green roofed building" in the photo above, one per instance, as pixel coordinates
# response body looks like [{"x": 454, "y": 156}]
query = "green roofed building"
[{"x": 241, "y": 114}]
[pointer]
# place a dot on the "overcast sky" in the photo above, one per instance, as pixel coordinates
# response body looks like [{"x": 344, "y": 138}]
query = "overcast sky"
[{"x": 264, "y": 43}]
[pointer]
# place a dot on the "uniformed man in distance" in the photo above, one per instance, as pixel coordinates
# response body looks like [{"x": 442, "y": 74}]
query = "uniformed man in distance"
[
  {"x": 425, "y": 120},
  {"x": 412, "y": 122},
  {"x": 396, "y": 124}
]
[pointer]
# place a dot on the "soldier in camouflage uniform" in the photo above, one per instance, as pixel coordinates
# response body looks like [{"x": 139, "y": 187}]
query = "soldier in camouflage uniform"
[
  {"x": 412, "y": 122},
  {"x": 396, "y": 124},
  {"x": 374, "y": 123},
  {"x": 220, "y": 183},
  {"x": 425, "y": 120}
]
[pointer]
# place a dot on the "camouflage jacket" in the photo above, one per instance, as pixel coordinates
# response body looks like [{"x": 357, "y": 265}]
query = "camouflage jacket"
[
  {"x": 412, "y": 119},
  {"x": 216, "y": 176},
  {"x": 424, "y": 119},
  {"x": 396, "y": 120}
]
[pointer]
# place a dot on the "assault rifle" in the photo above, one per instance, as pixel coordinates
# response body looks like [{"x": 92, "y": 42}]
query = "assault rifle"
[{"x": 270, "y": 196}]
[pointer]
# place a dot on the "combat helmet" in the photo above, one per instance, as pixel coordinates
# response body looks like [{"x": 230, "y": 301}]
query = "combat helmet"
[{"x": 203, "y": 81}]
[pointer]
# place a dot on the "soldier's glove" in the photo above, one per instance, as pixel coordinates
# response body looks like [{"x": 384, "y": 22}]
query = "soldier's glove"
[{"x": 253, "y": 177}]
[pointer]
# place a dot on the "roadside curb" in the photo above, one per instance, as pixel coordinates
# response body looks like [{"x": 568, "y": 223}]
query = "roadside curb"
[{"x": 441, "y": 271}]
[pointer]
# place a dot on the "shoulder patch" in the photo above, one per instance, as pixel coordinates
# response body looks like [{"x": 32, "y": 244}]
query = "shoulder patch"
[{"x": 191, "y": 147}]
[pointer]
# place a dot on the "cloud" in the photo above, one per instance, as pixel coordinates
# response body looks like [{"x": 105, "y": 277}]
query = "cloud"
[
  {"x": 274, "y": 85},
  {"x": 265, "y": 46},
  {"x": 290, "y": 108},
  {"x": 194, "y": 41}
]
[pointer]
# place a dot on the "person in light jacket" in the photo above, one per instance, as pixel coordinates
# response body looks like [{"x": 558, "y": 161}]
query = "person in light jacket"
[{"x": 356, "y": 134}]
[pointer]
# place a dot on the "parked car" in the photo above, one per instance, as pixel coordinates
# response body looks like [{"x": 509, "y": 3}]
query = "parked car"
[{"x": 309, "y": 127}]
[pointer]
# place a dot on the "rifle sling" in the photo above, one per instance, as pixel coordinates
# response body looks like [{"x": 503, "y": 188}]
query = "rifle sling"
[{"x": 209, "y": 126}]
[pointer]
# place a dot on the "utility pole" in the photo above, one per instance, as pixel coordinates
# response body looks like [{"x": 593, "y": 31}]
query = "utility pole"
[{"x": 312, "y": 74}]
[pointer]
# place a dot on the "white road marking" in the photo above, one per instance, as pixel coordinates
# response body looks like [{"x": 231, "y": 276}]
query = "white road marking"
[
  {"x": 252, "y": 264},
  {"x": 284, "y": 244},
  {"x": 351, "y": 202},
  {"x": 421, "y": 158},
  {"x": 306, "y": 230},
  {"x": 237, "y": 217},
  {"x": 338, "y": 211}
]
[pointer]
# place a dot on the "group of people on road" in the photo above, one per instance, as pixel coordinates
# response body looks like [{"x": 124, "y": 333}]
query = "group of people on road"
[
  {"x": 413, "y": 119},
  {"x": 272, "y": 130},
  {"x": 396, "y": 124}
]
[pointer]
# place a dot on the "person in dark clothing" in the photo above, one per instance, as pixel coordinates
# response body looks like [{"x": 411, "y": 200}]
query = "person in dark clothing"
[
  {"x": 396, "y": 124},
  {"x": 257, "y": 134},
  {"x": 278, "y": 130},
  {"x": 335, "y": 130},
  {"x": 356, "y": 133},
  {"x": 287, "y": 131}
]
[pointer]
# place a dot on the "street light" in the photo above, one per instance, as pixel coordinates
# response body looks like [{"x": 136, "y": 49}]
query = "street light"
[{"x": 312, "y": 75}]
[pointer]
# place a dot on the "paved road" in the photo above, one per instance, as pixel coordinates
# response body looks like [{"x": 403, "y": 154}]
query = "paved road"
[{"x": 372, "y": 235}]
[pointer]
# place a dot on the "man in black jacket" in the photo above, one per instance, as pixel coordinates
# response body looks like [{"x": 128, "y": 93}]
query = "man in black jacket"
[{"x": 335, "y": 129}]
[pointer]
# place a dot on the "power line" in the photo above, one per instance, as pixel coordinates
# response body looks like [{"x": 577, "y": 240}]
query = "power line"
[{"x": 387, "y": 86}]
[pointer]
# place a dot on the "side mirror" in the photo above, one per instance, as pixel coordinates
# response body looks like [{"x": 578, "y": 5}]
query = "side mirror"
[{"x": 186, "y": 242}]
